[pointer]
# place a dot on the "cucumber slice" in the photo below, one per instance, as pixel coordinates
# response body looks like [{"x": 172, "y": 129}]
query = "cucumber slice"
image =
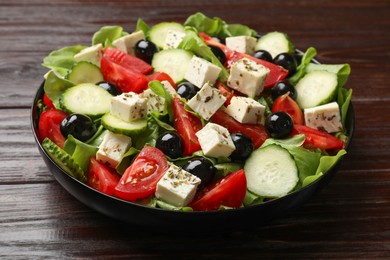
[
  {"x": 64, "y": 160},
  {"x": 158, "y": 33},
  {"x": 85, "y": 72},
  {"x": 118, "y": 126},
  {"x": 174, "y": 62},
  {"x": 275, "y": 43},
  {"x": 271, "y": 172},
  {"x": 316, "y": 88},
  {"x": 87, "y": 99}
]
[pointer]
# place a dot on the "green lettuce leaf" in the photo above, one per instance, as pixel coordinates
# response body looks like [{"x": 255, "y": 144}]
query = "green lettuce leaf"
[
  {"x": 147, "y": 137},
  {"x": 344, "y": 99},
  {"x": 54, "y": 87},
  {"x": 158, "y": 88},
  {"x": 326, "y": 163},
  {"x": 217, "y": 27},
  {"x": 236, "y": 30},
  {"x": 305, "y": 61},
  {"x": 252, "y": 199},
  {"x": 192, "y": 42},
  {"x": 126, "y": 160},
  {"x": 80, "y": 152},
  {"x": 107, "y": 34},
  {"x": 62, "y": 60},
  {"x": 142, "y": 26},
  {"x": 165, "y": 205},
  {"x": 210, "y": 26}
]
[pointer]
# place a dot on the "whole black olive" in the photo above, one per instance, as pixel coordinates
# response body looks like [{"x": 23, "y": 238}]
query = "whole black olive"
[
  {"x": 187, "y": 90},
  {"x": 244, "y": 146},
  {"x": 263, "y": 54},
  {"x": 110, "y": 88},
  {"x": 282, "y": 87},
  {"x": 218, "y": 53},
  {"x": 145, "y": 50},
  {"x": 79, "y": 126},
  {"x": 279, "y": 125},
  {"x": 170, "y": 144},
  {"x": 202, "y": 168},
  {"x": 287, "y": 61}
]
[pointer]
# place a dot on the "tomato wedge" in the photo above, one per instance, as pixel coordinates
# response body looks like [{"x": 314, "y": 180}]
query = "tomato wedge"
[
  {"x": 125, "y": 60},
  {"x": 255, "y": 132},
  {"x": 126, "y": 79},
  {"x": 101, "y": 177},
  {"x": 140, "y": 178},
  {"x": 161, "y": 76},
  {"x": 227, "y": 92},
  {"x": 47, "y": 102},
  {"x": 186, "y": 125},
  {"x": 276, "y": 74},
  {"x": 318, "y": 139},
  {"x": 286, "y": 104},
  {"x": 49, "y": 126},
  {"x": 228, "y": 191}
]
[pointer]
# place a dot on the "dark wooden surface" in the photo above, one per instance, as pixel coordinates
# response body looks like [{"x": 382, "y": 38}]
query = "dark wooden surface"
[{"x": 348, "y": 219}]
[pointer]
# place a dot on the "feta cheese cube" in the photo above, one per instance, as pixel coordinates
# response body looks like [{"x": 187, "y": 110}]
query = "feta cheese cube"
[
  {"x": 243, "y": 44},
  {"x": 129, "y": 106},
  {"x": 112, "y": 148},
  {"x": 325, "y": 117},
  {"x": 246, "y": 110},
  {"x": 127, "y": 43},
  {"x": 173, "y": 39},
  {"x": 200, "y": 71},
  {"x": 92, "y": 54},
  {"x": 169, "y": 88},
  {"x": 247, "y": 77},
  {"x": 177, "y": 186},
  {"x": 207, "y": 101},
  {"x": 155, "y": 102},
  {"x": 215, "y": 141}
]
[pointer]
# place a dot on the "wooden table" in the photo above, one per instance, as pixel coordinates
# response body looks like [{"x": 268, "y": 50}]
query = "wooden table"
[{"x": 349, "y": 219}]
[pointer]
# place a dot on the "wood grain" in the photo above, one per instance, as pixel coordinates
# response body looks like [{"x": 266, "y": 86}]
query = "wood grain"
[{"x": 348, "y": 219}]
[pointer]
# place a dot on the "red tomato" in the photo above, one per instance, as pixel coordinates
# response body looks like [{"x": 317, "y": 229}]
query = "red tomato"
[
  {"x": 228, "y": 191},
  {"x": 186, "y": 125},
  {"x": 161, "y": 76},
  {"x": 47, "y": 102},
  {"x": 318, "y": 139},
  {"x": 225, "y": 91},
  {"x": 255, "y": 132},
  {"x": 126, "y": 79},
  {"x": 49, "y": 126},
  {"x": 130, "y": 62},
  {"x": 140, "y": 179},
  {"x": 286, "y": 104},
  {"x": 101, "y": 177},
  {"x": 276, "y": 74}
]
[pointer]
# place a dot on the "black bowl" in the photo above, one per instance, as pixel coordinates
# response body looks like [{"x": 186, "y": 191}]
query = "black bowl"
[{"x": 168, "y": 221}]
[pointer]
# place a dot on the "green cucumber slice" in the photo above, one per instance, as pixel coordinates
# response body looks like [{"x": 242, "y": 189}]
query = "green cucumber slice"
[
  {"x": 85, "y": 72},
  {"x": 316, "y": 88},
  {"x": 271, "y": 172},
  {"x": 158, "y": 33},
  {"x": 64, "y": 160},
  {"x": 88, "y": 99},
  {"x": 275, "y": 43},
  {"x": 174, "y": 62},
  {"x": 118, "y": 126}
]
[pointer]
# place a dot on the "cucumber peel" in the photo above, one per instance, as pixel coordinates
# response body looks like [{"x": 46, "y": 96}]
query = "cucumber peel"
[{"x": 64, "y": 160}]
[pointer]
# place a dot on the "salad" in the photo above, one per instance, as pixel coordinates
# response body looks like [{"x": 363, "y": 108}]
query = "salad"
[{"x": 198, "y": 116}]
